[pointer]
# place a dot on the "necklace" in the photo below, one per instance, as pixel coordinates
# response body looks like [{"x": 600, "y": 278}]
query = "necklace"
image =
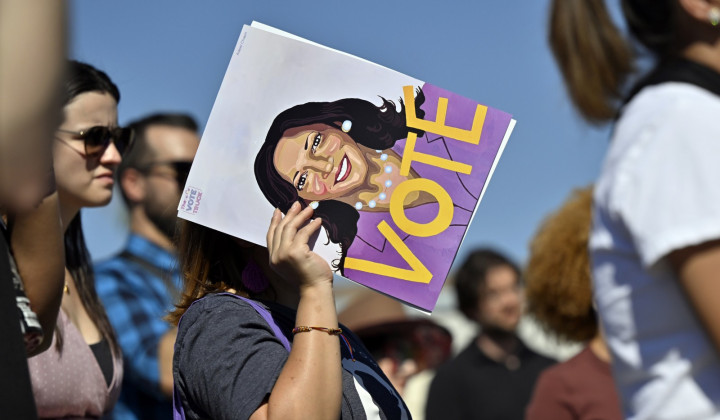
[{"x": 383, "y": 194}]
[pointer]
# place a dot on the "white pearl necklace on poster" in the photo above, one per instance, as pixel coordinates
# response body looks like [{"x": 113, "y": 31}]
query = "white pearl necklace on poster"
[{"x": 383, "y": 195}]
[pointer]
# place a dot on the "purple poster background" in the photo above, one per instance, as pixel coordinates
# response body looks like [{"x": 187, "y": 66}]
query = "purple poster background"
[{"x": 437, "y": 252}]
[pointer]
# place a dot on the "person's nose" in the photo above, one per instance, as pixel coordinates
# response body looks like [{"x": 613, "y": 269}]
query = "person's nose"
[
  {"x": 320, "y": 165},
  {"x": 512, "y": 298},
  {"x": 111, "y": 156}
]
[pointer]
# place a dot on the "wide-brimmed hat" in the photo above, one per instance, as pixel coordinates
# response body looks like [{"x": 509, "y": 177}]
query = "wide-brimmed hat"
[{"x": 387, "y": 331}]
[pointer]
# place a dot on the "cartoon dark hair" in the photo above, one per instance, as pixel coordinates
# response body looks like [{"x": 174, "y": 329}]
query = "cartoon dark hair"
[{"x": 376, "y": 127}]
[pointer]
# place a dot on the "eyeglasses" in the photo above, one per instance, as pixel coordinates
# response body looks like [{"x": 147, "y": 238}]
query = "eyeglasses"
[
  {"x": 181, "y": 167},
  {"x": 98, "y": 138}
]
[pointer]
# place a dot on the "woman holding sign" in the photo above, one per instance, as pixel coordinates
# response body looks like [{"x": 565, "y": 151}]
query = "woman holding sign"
[{"x": 258, "y": 336}]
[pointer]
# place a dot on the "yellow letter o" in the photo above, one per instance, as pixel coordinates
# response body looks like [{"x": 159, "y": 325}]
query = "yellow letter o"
[{"x": 422, "y": 230}]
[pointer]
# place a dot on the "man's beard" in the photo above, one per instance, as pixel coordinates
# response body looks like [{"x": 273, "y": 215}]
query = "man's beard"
[
  {"x": 163, "y": 218},
  {"x": 498, "y": 332}
]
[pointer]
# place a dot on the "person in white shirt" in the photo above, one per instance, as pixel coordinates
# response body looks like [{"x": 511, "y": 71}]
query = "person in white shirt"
[{"x": 655, "y": 241}]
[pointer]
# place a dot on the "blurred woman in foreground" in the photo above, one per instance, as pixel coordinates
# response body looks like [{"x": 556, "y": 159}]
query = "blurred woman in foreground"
[{"x": 655, "y": 240}]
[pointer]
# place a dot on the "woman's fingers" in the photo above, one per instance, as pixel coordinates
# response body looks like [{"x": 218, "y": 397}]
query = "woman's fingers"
[
  {"x": 303, "y": 235},
  {"x": 277, "y": 236},
  {"x": 296, "y": 223},
  {"x": 292, "y": 224},
  {"x": 274, "y": 221},
  {"x": 290, "y": 255}
]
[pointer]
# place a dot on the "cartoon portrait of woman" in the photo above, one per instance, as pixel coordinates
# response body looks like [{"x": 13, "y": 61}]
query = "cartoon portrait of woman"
[
  {"x": 338, "y": 157},
  {"x": 344, "y": 157}
]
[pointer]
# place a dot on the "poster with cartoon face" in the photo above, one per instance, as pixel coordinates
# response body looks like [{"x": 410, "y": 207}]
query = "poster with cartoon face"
[{"x": 394, "y": 166}]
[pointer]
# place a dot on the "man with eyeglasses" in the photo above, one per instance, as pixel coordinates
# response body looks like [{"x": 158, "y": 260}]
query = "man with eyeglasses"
[{"x": 139, "y": 286}]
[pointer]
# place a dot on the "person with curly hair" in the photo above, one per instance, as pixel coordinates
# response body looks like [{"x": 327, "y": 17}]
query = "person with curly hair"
[{"x": 559, "y": 295}]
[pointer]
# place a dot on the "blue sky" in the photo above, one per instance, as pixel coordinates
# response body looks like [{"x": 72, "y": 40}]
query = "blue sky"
[{"x": 171, "y": 55}]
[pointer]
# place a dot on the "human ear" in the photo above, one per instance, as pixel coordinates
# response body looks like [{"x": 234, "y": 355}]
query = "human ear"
[
  {"x": 700, "y": 10},
  {"x": 133, "y": 185}
]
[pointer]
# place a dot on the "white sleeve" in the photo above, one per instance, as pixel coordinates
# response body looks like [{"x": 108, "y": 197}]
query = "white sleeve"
[{"x": 671, "y": 193}]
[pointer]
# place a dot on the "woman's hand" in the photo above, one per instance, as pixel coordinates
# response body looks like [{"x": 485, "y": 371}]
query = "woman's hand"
[
  {"x": 290, "y": 255},
  {"x": 310, "y": 384}
]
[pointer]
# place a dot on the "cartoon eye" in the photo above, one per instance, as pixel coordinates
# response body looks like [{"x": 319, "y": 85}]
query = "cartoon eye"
[
  {"x": 316, "y": 142},
  {"x": 301, "y": 181}
]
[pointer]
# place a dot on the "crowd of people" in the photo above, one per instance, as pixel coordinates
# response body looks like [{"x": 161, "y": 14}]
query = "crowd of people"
[{"x": 187, "y": 322}]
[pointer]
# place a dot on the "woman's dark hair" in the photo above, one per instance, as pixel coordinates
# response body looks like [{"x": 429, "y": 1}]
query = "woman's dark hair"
[
  {"x": 594, "y": 56},
  {"x": 83, "y": 78},
  {"x": 471, "y": 276},
  {"x": 375, "y": 127},
  {"x": 210, "y": 261}
]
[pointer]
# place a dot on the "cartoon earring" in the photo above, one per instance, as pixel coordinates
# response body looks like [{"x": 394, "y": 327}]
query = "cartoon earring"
[
  {"x": 714, "y": 16},
  {"x": 346, "y": 126}
]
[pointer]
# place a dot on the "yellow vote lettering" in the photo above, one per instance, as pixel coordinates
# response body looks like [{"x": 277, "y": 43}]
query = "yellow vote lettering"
[
  {"x": 410, "y": 156},
  {"x": 417, "y": 273},
  {"x": 421, "y": 230},
  {"x": 438, "y": 126}
]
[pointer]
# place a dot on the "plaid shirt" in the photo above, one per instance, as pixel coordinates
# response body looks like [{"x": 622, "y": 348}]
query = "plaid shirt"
[{"x": 138, "y": 288}]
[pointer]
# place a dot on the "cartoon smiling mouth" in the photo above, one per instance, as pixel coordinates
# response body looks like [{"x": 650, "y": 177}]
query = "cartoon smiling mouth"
[{"x": 343, "y": 170}]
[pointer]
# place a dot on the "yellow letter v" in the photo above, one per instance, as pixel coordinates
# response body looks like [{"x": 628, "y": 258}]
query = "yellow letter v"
[{"x": 417, "y": 273}]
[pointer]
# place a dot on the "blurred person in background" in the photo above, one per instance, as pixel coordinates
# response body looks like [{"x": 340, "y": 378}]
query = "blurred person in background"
[
  {"x": 32, "y": 61},
  {"x": 79, "y": 376},
  {"x": 494, "y": 376},
  {"x": 407, "y": 349},
  {"x": 559, "y": 295},
  {"x": 655, "y": 241},
  {"x": 140, "y": 285}
]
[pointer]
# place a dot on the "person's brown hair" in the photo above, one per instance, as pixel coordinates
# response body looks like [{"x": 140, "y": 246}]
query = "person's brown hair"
[
  {"x": 557, "y": 277},
  {"x": 595, "y": 58},
  {"x": 210, "y": 261},
  {"x": 470, "y": 278},
  {"x": 142, "y": 153}
]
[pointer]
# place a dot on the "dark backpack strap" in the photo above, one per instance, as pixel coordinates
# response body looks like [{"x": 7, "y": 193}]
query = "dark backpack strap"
[
  {"x": 680, "y": 70},
  {"x": 15, "y": 386},
  {"x": 178, "y": 410}
]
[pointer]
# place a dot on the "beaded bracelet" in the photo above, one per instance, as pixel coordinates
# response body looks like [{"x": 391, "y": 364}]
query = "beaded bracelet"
[{"x": 331, "y": 331}]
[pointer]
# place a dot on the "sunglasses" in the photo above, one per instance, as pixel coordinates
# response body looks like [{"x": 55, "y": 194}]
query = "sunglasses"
[
  {"x": 98, "y": 138},
  {"x": 181, "y": 168}
]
